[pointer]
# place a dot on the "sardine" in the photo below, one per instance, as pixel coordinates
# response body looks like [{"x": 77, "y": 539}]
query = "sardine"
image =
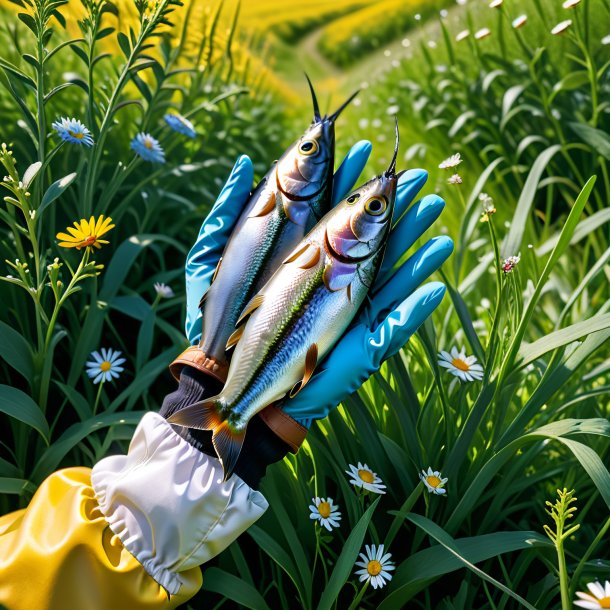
[
  {"x": 299, "y": 315},
  {"x": 286, "y": 204}
]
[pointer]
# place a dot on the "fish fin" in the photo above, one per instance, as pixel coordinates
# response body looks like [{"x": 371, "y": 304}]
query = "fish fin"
[
  {"x": 251, "y": 307},
  {"x": 338, "y": 275},
  {"x": 235, "y": 337},
  {"x": 228, "y": 444},
  {"x": 305, "y": 257},
  {"x": 265, "y": 204},
  {"x": 295, "y": 254},
  {"x": 296, "y": 211},
  {"x": 202, "y": 415},
  {"x": 216, "y": 270},
  {"x": 311, "y": 360}
]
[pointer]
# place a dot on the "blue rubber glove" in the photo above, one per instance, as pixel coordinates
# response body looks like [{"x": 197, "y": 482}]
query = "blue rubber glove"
[
  {"x": 218, "y": 225},
  {"x": 397, "y": 306}
]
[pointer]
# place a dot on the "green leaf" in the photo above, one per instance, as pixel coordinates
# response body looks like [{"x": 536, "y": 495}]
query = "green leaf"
[
  {"x": 485, "y": 474},
  {"x": 29, "y": 22},
  {"x": 55, "y": 190},
  {"x": 77, "y": 400},
  {"x": 346, "y": 560},
  {"x": 124, "y": 44},
  {"x": 597, "y": 139},
  {"x": 30, "y": 173},
  {"x": 19, "y": 405},
  {"x": 16, "y": 351},
  {"x": 592, "y": 464},
  {"x": 440, "y": 535},
  {"x": 512, "y": 243},
  {"x": 416, "y": 572},
  {"x": 52, "y": 457},
  {"x": 234, "y": 588},
  {"x": 16, "y": 486},
  {"x": 531, "y": 351}
]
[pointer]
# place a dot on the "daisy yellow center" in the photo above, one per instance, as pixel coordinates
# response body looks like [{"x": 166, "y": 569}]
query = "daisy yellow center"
[
  {"x": 604, "y": 602},
  {"x": 324, "y": 510},
  {"x": 148, "y": 144},
  {"x": 76, "y": 134},
  {"x": 105, "y": 366},
  {"x": 374, "y": 567},
  {"x": 433, "y": 481},
  {"x": 366, "y": 476},
  {"x": 458, "y": 363}
]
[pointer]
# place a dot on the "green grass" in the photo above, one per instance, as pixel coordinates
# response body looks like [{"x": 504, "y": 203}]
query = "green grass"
[{"x": 530, "y": 118}]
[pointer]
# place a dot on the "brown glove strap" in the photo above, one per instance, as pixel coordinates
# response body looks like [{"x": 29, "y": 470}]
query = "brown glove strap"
[
  {"x": 290, "y": 431},
  {"x": 195, "y": 357}
]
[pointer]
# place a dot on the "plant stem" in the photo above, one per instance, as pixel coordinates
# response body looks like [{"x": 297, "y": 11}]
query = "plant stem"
[
  {"x": 98, "y": 396},
  {"x": 564, "y": 585},
  {"x": 359, "y": 597}
]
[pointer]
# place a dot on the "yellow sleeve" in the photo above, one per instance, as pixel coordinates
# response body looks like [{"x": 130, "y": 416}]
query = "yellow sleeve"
[{"x": 59, "y": 553}]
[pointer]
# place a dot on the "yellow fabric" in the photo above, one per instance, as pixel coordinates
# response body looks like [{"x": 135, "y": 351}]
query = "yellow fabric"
[{"x": 60, "y": 554}]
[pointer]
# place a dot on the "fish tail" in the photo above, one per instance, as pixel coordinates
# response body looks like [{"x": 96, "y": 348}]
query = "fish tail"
[
  {"x": 228, "y": 443},
  {"x": 202, "y": 415},
  {"x": 207, "y": 415}
]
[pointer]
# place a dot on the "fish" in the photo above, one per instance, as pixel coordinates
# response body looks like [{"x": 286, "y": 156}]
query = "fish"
[
  {"x": 299, "y": 314},
  {"x": 290, "y": 199}
]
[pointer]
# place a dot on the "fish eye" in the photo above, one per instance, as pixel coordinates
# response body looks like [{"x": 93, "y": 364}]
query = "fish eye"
[
  {"x": 375, "y": 206},
  {"x": 353, "y": 198},
  {"x": 308, "y": 147}
]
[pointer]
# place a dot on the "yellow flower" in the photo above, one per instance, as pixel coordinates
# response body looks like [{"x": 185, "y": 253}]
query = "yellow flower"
[{"x": 86, "y": 234}]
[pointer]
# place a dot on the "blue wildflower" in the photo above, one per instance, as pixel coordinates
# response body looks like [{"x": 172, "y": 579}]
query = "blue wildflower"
[
  {"x": 72, "y": 130},
  {"x": 148, "y": 148},
  {"x": 180, "y": 124}
]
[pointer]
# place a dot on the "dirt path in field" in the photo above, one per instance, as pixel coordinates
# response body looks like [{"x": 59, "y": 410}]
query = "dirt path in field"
[{"x": 331, "y": 79}]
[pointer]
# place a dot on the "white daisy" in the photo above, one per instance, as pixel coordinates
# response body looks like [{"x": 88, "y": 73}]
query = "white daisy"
[
  {"x": 482, "y": 33},
  {"x": 570, "y": 3},
  {"x": 462, "y": 35},
  {"x": 561, "y": 27},
  {"x": 363, "y": 476},
  {"x": 106, "y": 366},
  {"x": 452, "y": 161},
  {"x": 376, "y": 566},
  {"x": 496, "y": 3},
  {"x": 455, "y": 179},
  {"x": 324, "y": 511},
  {"x": 433, "y": 480},
  {"x": 606, "y": 40},
  {"x": 460, "y": 365},
  {"x": 600, "y": 597},
  {"x": 163, "y": 290},
  {"x": 520, "y": 21}
]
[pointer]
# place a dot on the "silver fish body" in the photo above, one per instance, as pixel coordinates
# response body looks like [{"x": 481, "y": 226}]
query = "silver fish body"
[
  {"x": 289, "y": 200},
  {"x": 299, "y": 314}
]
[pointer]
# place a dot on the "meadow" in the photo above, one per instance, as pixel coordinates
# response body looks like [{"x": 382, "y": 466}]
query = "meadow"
[{"x": 505, "y": 106}]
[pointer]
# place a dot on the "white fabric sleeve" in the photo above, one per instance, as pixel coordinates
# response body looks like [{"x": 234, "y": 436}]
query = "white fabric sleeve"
[{"x": 167, "y": 503}]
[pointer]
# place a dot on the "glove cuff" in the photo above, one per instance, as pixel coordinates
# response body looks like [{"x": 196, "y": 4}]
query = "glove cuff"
[{"x": 167, "y": 503}]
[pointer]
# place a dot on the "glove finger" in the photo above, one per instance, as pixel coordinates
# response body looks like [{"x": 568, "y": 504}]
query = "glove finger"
[
  {"x": 219, "y": 223},
  {"x": 398, "y": 326},
  {"x": 350, "y": 169},
  {"x": 215, "y": 230},
  {"x": 409, "y": 276},
  {"x": 406, "y": 232},
  {"x": 409, "y": 184}
]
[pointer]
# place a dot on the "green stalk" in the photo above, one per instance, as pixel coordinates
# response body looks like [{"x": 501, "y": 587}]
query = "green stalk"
[
  {"x": 98, "y": 396},
  {"x": 358, "y": 598}
]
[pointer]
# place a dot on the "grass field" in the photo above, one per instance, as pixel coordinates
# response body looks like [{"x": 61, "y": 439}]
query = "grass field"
[{"x": 526, "y": 111}]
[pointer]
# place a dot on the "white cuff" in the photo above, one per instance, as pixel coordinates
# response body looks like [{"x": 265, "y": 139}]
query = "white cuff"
[{"x": 167, "y": 503}]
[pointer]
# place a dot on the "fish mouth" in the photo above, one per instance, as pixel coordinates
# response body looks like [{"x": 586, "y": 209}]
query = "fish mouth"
[
  {"x": 294, "y": 197},
  {"x": 341, "y": 257}
]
